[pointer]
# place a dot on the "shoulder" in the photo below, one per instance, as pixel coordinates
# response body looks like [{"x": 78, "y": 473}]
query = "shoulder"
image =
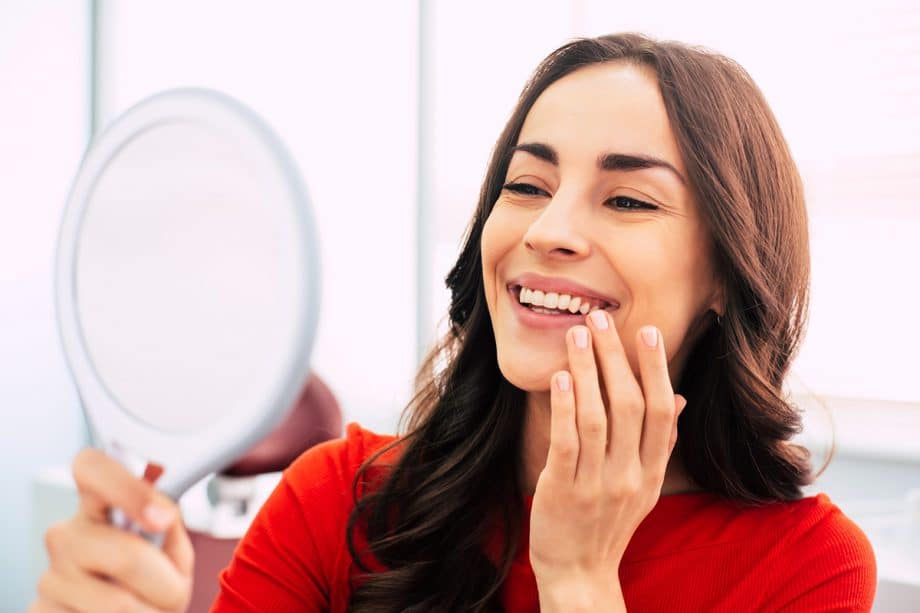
[
  {"x": 335, "y": 462},
  {"x": 829, "y": 559},
  {"x": 294, "y": 555},
  {"x": 815, "y": 524}
]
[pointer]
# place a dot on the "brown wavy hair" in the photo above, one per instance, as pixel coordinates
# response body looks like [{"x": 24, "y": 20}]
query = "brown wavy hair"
[{"x": 427, "y": 518}]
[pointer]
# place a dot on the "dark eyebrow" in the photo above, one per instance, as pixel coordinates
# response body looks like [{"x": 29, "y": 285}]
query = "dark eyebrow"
[{"x": 606, "y": 161}]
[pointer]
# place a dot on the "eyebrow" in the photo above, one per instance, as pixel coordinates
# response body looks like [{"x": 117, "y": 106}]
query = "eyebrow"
[{"x": 606, "y": 161}]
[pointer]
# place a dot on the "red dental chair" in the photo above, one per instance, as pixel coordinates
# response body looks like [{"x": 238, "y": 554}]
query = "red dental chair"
[{"x": 315, "y": 417}]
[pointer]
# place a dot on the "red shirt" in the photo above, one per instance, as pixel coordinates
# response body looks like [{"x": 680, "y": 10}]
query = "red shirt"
[{"x": 693, "y": 552}]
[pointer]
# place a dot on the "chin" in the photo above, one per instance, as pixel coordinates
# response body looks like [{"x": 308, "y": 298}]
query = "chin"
[{"x": 531, "y": 373}]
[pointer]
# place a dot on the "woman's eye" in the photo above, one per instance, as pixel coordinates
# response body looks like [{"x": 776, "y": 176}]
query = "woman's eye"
[
  {"x": 524, "y": 188},
  {"x": 627, "y": 203}
]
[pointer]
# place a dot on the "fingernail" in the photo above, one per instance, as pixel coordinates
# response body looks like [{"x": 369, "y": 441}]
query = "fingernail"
[
  {"x": 581, "y": 337},
  {"x": 650, "y": 336},
  {"x": 599, "y": 318},
  {"x": 563, "y": 382},
  {"x": 158, "y": 516}
]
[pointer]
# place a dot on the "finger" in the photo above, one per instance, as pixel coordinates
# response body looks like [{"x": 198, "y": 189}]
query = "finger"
[
  {"x": 178, "y": 547},
  {"x": 41, "y": 605},
  {"x": 562, "y": 460},
  {"x": 127, "y": 559},
  {"x": 680, "y": 403},
  {"x": 85, "y": 594},
  {"x": 660, "y": 406},
  {"x": 104, "y": 483},
  {"x": 590, "y": 414},
  {"x": 624, "y": 394}
]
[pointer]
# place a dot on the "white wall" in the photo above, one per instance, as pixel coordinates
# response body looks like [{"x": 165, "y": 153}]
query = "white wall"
[
  {"x": 43, "y": 130},
  {"x": 337, "y": 81}
]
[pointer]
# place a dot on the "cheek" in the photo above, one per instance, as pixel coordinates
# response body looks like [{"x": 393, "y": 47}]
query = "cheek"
[
  {"x": 487, "y": 251},
  {"x": 670, "y": 283},
  {"x": 498, "y": 238}
]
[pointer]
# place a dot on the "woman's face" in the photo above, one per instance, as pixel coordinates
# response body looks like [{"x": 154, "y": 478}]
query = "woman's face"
[{"x": 596, "y": 206}]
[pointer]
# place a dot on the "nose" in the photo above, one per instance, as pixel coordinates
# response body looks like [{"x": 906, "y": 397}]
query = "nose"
[{"x": 558, "y": 231}]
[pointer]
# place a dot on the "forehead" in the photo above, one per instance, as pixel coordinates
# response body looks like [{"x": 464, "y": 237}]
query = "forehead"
[{"x": 610, "y": 107}]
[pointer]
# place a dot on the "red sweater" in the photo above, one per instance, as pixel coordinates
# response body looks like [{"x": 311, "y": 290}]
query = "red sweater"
[{"x": 693, "y": 552}]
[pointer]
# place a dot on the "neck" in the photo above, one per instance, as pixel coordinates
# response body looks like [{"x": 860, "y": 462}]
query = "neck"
[{"x": 536, "y": 446}]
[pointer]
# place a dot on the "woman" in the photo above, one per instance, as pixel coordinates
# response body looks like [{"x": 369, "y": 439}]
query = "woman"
[{"x": 641, "y": 230}]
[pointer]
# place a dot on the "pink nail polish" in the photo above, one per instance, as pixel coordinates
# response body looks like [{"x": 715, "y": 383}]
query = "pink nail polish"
[
  {"x": 599, "y": 318},
  {"x": 650, "y": 336},
  {"x": 563, "y": 381},
  {"x": 581, "y": 337}
]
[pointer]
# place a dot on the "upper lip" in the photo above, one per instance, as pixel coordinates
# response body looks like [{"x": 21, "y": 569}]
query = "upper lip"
[{"x": 560, "y": 286}]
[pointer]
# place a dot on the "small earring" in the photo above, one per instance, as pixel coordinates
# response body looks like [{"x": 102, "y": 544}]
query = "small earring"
[{"x": 719, "y": 319}]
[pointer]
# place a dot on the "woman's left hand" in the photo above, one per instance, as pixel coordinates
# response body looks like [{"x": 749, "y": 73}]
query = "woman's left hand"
[{"x": 606, "y": 464}]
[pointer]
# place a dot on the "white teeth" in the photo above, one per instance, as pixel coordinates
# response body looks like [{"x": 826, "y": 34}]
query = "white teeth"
[
  {"x": 554, "y": 300},
  {"x": 574, "y": 304}
]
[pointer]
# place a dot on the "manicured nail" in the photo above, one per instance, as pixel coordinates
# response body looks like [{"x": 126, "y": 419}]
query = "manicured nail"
[
  {"x": 599, "y": 318},
  {"x": 159, "y": 517},
  {"x": 650, "y": 336},
  {"x": 563, "y": 382},
  {"x": 581, "y": 337}
]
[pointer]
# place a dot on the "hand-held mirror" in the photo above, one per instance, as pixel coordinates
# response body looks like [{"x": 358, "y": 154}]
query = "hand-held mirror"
[{"x": 187, "y": 284}]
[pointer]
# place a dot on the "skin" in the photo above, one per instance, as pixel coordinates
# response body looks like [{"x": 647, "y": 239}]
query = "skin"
[{"x": 604, "y": 445}]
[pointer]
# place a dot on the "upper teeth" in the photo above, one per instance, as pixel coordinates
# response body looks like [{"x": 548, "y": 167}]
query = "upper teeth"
[{"x": 553, "y": 300}]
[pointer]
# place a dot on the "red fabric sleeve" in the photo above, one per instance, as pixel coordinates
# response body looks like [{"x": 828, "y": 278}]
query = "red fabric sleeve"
[
  {"x": 291, "y": 556},
  {"x": 834, "y": 567}
]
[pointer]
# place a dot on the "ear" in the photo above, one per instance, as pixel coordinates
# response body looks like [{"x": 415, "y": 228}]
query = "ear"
[{"x": 717, "y": 302}]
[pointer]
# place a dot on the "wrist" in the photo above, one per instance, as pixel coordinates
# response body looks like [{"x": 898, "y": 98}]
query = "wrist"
[{"x": 577, "y": 594}]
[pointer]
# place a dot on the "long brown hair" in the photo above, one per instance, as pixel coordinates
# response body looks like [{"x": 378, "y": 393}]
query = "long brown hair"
[{"x": 455, "y": 482}]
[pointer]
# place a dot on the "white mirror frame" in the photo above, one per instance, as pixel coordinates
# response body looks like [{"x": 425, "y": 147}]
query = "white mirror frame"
[{"x": 185, "y": 457}]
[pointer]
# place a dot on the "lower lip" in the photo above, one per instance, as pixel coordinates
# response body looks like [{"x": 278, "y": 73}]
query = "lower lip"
[{"x": 532, "y": 319}]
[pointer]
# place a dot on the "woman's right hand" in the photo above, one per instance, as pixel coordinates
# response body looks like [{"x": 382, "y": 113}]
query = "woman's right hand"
[{"x": 94, "y": 566}]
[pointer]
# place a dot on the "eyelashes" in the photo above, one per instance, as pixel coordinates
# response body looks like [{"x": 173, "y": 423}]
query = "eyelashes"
[{"x": 622, "y": 203}]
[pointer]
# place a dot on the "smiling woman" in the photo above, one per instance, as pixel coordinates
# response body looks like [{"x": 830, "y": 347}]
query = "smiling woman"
[{"x": 603, "y": 427}]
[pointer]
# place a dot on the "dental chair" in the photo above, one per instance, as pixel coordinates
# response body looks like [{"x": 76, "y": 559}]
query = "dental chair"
[{"x": 234, "y": 495}]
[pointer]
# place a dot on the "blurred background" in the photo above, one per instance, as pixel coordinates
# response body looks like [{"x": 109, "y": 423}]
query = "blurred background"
[{"x": 391, "y": 110}]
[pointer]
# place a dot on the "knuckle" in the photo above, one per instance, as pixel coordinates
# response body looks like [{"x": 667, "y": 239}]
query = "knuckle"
[
  {"x": 567, "y": 450},
  {"x": 85, "y": 462},
  {"x": 121, "y": 602},
  {"x": 663, "y": 412},
  {"x": 595, "y": 427},
  {"x": 178, "y": 599},
  {"x": 627, "y": 486},
  {"x": 632, "y": 406},
  {"x": 585, "y": 500},
  {"x": 45, "y": 584},
  {"x": 124, "y": 565},
  {"x": 55, "y": 538}
]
